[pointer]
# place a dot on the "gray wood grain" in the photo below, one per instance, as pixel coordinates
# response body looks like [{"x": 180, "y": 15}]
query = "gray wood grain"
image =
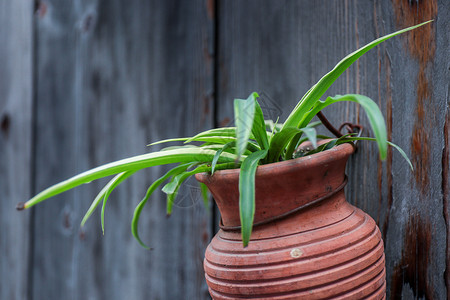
[
  {"x": 282, "y": 48},
  {"x": 16, "y": 91},
  {"x": 114, "y": 76},
  {"x": 108, "y": 77},
  {"x": 58, "y": 149}
]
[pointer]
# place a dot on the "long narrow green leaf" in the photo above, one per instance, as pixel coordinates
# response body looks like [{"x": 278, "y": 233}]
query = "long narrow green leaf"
[
  {"x": 131, "y": 164},
  {"x": 100, "y": 197},
  {"x": 247, "y": 193},
  {"x": 311, "y": 135},
  {"x": 218, "y": 153},
  {"x": 326, "y": 146},
  {"x": 314, "y": 124},
  {"x": 279, "y": 141},
  {"x": 224, "y": 131},
  {"x": 273, "y": 127},
  {"x": 259, "y": 127},
  {"x": 108, "y": 192},
  {"x": 276, "y": 128},
  {"x": 171, "y": 188},
  {"x": 214, "y": 139},
  {"x": 244, "y": 113},
  {"x": 314, "y": 94},
  {"x": 372, "y": 110},
  {"x": 331, "y": 143},
  {"x": 178, "y": 147},
  {"x": 227, "y": 132},
  {"x": 137, "y": 211},
  {"x": 169, "y": 140},
  {"x": 252, "y": 147},
  {"x": 402, "y": 153},
  {"x": 400, "y": 150},
  {"x": 294, "y": 143},
  {"x": 284, "y": 137},
  {"x": 204, "y": 146}
]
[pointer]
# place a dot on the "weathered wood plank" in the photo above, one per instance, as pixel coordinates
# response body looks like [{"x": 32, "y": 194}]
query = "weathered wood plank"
[
  {"x": 113, "y": 76},
  {"x": 284, "y": 48},
  {"x": 16, "y": 95},
  {"x": 421, "y": 80},
  {"x": 58, "y": 150}
]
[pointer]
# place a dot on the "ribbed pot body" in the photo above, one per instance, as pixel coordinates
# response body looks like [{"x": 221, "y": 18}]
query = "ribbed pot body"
[{"x": 307, "y": 242}]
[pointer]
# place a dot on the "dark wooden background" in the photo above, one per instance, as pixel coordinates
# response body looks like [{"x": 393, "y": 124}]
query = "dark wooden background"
[{"x": 85, "y": 82}]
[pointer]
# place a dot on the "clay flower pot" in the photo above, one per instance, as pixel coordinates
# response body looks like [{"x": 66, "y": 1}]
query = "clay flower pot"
[{"x": 308, "y": 242}]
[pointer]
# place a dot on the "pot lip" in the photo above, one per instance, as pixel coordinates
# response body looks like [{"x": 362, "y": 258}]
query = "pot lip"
[{"x": 273, "y": 169}]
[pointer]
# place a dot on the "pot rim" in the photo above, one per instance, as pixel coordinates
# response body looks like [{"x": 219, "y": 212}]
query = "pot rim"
[{"x": 273, "y": 169}]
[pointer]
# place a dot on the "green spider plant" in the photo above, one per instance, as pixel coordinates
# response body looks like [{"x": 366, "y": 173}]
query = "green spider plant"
[{"x": 253, "y": 141}]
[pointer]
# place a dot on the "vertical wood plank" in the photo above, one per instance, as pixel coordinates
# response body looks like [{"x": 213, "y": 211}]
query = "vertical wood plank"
[
  {"x": 418, "y": 204},
  {"x": 284, "y": 48},
  {"x": 16, "y": 90},
  {"x": 57, "y": 148},
  {"x": 151, "y": 76},
  {"x": 114, "y": 76}
]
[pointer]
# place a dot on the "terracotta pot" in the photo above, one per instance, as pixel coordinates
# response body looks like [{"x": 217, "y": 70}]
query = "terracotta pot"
[{"x": 307, "y": 241}]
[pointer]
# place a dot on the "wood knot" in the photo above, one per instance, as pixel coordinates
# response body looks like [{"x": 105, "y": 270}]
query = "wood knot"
[
  {"x": 40, "y": 8},
  {"x": 5, "y": 124}
]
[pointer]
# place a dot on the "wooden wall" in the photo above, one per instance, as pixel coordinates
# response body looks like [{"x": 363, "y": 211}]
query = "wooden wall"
[{"x": 86, "y": 82}]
